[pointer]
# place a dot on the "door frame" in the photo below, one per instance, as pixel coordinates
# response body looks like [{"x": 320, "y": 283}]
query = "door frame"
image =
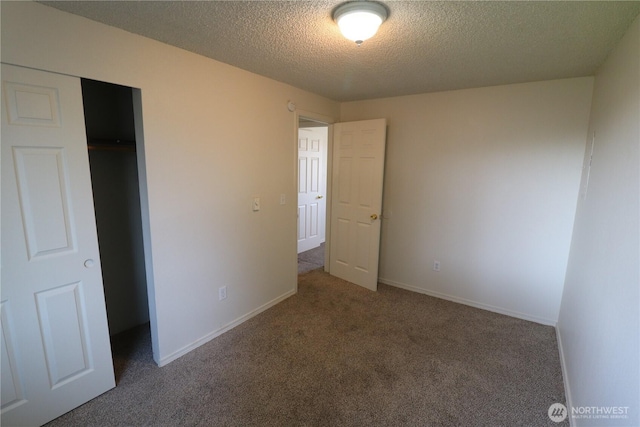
[
  {"x": 328, "y": 121},
  {"x": 143, "y": 191}
]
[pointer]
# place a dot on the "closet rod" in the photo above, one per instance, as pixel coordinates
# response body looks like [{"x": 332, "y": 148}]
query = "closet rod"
[{"x": 111, "y": 145}]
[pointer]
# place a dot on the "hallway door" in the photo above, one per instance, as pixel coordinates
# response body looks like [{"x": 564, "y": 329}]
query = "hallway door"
[
  {"x": 356, "y": 200},
  {"x": 312, "y": 182}
]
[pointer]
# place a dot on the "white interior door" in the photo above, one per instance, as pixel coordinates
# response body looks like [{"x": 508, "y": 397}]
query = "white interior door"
[
  {"x": 56, "y": 353},
  {"x": 312, "y": 182},
  {"x": 356, "y": 200}
]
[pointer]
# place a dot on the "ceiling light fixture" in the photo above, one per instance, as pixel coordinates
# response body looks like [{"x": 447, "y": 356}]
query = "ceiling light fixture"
[{"x": 359, "y": 20}]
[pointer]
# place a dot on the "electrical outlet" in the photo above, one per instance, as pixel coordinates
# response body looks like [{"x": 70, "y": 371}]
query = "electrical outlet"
[
  {"x": 222, "y": 293},
  {"x": 436, "y": 265}
]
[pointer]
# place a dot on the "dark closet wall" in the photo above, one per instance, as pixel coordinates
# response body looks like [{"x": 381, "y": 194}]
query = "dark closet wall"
[
  {"x": 108, "y": 111},
  {"x": 114, "y": 177}
]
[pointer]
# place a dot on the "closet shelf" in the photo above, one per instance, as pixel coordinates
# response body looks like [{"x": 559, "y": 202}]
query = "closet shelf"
[{"x": 111, "y": 145}]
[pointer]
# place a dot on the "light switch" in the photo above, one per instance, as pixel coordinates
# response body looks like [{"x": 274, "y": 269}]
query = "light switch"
[
  {"x": 283, "y": 199},
  {"x": 256, "y": 204}
]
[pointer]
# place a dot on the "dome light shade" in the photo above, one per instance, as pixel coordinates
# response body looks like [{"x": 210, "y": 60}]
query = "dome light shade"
[{"x": 359, "y": 20}]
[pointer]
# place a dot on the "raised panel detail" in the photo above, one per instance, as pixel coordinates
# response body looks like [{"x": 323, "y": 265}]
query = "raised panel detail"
[
  {"x": 64, "y": 333},
  {"x": 303, "y": 143},
  {"x": 368, "y": 138},
  {"x": 315, "y": 145},
  {"x": 365, "y": 188},
  {"x": 344, "y": 181},
  {"x": 313, "y": 220},
  {"x": 363, "y": 242},
  {"x": 44, "y": 200},
  {"x": 342, "y": 250},
  {"x": 346, "y": 140},
  {"x": 302, "y": 175},
  {"x": 315, "y": 175},
  {"x": 12, "y": 395},
  {"x": 32, "y": 105},
  {"x": 302, "y": 222}
]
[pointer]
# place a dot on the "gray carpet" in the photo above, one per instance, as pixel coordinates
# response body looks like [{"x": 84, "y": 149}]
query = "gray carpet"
[
  {"x": 311, "y": 259},
  {"x": 338, "y": 355}
]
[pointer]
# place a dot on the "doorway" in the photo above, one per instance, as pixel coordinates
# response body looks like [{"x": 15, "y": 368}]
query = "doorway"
[
  {"x": 312, "y": 193},
  {"x": 111, "y": 139}
]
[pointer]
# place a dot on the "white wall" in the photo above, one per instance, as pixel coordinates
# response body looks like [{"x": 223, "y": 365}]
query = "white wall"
[
  {"x": 599, "y": 327},
  {"x": 203, "y": 166},
  {"x": 485, "y": 181}
]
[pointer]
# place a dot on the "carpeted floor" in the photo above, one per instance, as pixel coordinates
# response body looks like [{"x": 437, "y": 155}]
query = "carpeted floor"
[
  {"x": 311, "y": 259},
  {"x": 336, "y": 354}
]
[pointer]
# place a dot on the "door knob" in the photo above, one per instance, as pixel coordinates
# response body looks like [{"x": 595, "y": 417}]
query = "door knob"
[
  {"x": 319, "y": 197},
  {"x": 374, "y": 217},
  {"x": 89, "y": 263}
]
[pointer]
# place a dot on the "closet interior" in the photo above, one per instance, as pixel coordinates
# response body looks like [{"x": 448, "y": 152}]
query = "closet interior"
[{"x": 110, "y": 127}]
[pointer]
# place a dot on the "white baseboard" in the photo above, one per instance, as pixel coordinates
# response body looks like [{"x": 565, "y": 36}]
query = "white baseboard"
[
  {"x": 197, "y": 343},
  {"x": 565, "y": 377},
  {"x": 471, "y": 303}
]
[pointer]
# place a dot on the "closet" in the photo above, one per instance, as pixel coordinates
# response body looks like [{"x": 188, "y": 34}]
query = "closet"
[{"x": 110, "y": 127}]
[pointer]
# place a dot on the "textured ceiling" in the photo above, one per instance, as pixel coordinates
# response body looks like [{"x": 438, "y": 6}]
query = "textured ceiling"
[{"x": 424, "y": 46}]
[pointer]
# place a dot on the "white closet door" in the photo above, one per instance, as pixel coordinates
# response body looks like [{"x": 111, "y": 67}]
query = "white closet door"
[{"x": 56, "y": 353}]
